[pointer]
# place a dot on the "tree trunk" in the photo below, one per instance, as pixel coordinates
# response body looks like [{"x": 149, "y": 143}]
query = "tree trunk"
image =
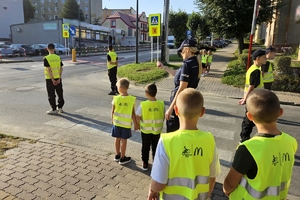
[{"x": 241, "y": 43}]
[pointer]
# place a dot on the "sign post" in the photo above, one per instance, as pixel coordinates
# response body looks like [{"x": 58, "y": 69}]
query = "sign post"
[
  {"x": 72, "y": 32},
  {"x": 154, "y": 29},
  {"x": 65, "y": 33}
]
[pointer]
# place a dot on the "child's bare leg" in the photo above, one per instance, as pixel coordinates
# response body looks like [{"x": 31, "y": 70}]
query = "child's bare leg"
[
  {"x": 117, "y": 145},
  {"x": 208, "y": 68},
  {"x": 123, "y": 147}
]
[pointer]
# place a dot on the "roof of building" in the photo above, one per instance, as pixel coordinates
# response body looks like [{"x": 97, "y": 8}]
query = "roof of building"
[{"x": 126, "y": 18}]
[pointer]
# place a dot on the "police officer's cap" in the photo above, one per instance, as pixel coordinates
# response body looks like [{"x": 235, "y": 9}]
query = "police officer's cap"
[
  {"x": 187, "y": 43},
  {"x": 258, "y": 53}
]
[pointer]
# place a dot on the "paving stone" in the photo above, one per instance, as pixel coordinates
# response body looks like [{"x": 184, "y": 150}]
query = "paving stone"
[
  {"x": 70, "y": 173},
  {"x": 69, "y": 151},
  {"x": 42, "y": 185},
  {"x": 56, "y": 191},
  {"x": 28, "y": 187},
  {"x": 54, "y": 197},
  {"x": 93, "y": 168},
  {"x": 7, "y": 172},
  {"x": 83, "y": 185},
  {"x": 25, "y": 195},
  {"x": 13, "y": 190},
  {"x": 57, "y": 175},
  {"x": 10, "y": 197},
  {"x": 70, "y": 188},
  {"x": 57, "y": 182},
  {"x": 97, "y": 183},
  {"x": 86, "y": 194},
  {"x": 93, "y": 163},
  {"x": 46, "y": 164},
  {"x": 95, "y": 175},
  {"x": 110, "y": 181},
  {"x": 69, "y": 156},
  {"x": 5, "y": 178},
  {"x": 3, "y": 194},
  {"x": 45, "y": 171},
  {"x": 18, "y": 175},
  {"x": 70, "y": 180},
  {"x": 44, "y": 178},
  {"x": 57, "y": 157},
  {"x": 83, "y": 177},
  {"x": 32, "y": 173},
  {"x": 71, "y": 196},
  {"x": 8, "y": 166},
  {"x": 22, "y": 165},
  {"x": 15, "y": 182},
  {"x": 30, "y": 180},
  {"x": 43, "y": 194},
  {"x": 108, "y": 173},
  {"x": 80, "y": 154},
  {"x": 81, "y": 170},
  {"x": 70, "y": 166},
  {"x": 99, "y": 192},
  {"x": 105, "y": 167},
  {"x": 58, "y": 163},
  {"x": 33, "y": 167}
]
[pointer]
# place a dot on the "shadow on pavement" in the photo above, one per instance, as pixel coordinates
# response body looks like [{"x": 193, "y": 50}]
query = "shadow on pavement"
[
  {"x": 287, "y": 122},
  {"x": 220, "y": 113},
  {"x": 297, "y": 160}
]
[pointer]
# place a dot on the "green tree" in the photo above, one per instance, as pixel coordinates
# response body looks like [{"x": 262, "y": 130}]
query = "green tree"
[
  {"x": 29, "y": 10},
  {"x": 233, "y": 18},
  {"x": 177, "y": 25},
  {"x": 198, "y": 25},
  {"x": 70, "y": 10},
  {"x": 96, "y": 21}
]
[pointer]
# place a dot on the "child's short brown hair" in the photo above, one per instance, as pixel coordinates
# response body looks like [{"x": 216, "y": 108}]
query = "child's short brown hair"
[
  {"x": 190, "y": 103},
  {"x": 263, "y": 105},
  {"x": 123, "y": 83},
  {"x": 151, "y": 89}
]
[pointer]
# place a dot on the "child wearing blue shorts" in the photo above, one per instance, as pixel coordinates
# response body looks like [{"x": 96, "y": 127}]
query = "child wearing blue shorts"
[{"x": 122, "y": 116}]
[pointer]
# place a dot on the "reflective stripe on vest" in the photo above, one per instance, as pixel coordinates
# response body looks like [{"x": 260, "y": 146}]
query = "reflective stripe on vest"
[
  {"x": 248, "y": 74},
  {"x": 201, "y": 196},
  {"x": 269, "y": 76},
  {"x": 113, "y": 57},
  {"x": 123, "y": 110},
  {"x": 152, "y": 116},
  {"x": 274, "y": 168},
  {"x": 55, "y": 64},
  {"x": 184, "y": 149},
  {"x": 269, "y": 191}
]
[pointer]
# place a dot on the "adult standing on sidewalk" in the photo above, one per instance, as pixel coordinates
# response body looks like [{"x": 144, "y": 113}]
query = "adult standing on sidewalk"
[
  {"x": 187, "y": 76},
  {"x": 112, "y": 66},
  {"x": 53, "y": 71},
  {"x": 253, "y": 80},
  {"x": 268, "y": 68}
]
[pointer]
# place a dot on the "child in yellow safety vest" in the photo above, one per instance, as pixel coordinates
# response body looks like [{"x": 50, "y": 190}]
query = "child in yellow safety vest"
[
  {"x": 209, "y": 61},
  {"x": 204, "y": 61},
  {"x": 123, "y": 114},
  {"x": 186, "y": 162},
  {"x": 262, "y": 166},
  {"x": 268, "y": 68},
  {"x": 150, "y": 116}
]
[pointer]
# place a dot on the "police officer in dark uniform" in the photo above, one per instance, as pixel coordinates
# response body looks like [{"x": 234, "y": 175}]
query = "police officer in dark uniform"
[{"x": 187, "y": 76}]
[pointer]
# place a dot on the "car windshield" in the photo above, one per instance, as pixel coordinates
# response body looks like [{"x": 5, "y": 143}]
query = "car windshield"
[{"x": 25, "y": 46}]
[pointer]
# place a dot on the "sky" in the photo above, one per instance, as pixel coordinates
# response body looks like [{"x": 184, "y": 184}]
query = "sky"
[{"x": 150, "y": 6}]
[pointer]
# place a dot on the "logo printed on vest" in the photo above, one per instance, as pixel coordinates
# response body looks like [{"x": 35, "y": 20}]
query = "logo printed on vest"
[
  {"x": 275, "y": 160},
  {"x": 186, "y": 152},
  {"x": 198, "y": 151},
  {"x": 285, "y": 157},
  {"x": 121, "y": 104},
  {"x": 154, "y": 109}
]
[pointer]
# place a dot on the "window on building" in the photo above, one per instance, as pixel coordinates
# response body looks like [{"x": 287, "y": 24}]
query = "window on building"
[
  {"x": 36, "y": 12},
  {"x": 42, "y": 1},
  {"x": 50, "y": 16},
  {"x": 42, "y": 9},
  {"x": 55, "y": 17},
  {"x": 86, "y": 8},
  {"x": 56, "y": 8},
  {"x": 86, "y": 16},
  {"x": 49, "y": 8},
  {"x": 43, "y": 16},
  {"x": 113, "y": 24},
  {"x": 142, "y": 25}
]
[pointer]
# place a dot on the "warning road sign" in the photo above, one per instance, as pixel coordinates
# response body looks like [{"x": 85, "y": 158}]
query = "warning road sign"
[{"x": 154, "y": 25}]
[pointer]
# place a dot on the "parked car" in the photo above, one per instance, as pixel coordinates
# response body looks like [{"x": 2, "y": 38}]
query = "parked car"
[
  {"x": 61, "y": 49},
  {"x": 40, "y": 49},
  {"x": 21, "y": 49},
  {"x": 6, "y": 51},
  {"x": 206, "y": 47}
]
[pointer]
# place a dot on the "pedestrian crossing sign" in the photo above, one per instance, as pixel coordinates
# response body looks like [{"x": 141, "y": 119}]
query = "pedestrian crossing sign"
[
  {"x": 65, "y": 30},
  {"x": 154, "y": 22}
]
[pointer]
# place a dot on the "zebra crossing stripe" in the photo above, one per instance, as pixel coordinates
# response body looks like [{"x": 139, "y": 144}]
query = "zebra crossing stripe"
[
  {"x": 223, "y": 109},
  {"x": 219, "y": 133},
  {"x": 211, "y": 117},
  {"x": 225, "y": 157}
]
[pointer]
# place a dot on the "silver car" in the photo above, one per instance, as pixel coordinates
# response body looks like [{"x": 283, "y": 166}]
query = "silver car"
[{"x": 6, "y": 51}]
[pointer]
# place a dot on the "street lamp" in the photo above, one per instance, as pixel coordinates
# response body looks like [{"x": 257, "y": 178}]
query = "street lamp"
[
  {"x": 79, "y": 29},
  {"x": 137, "y": 33}
]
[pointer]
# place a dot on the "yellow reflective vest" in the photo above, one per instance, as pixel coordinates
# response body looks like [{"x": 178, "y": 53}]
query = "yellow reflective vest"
[
  {"x": 55, "y": 65},
  {"x": 123, "y": 110},
  {"x": 190, "y": 154},
  {"x": 274, "y": 158},
  {"x": 248, "y": 74},
  {"x": 209, "y": 58},
  {"x": 152, "y": 116},
  {"x": 113, "y": 57},
  {"x": 269, "y": 76},
  {"x": 204, "y": 58}
]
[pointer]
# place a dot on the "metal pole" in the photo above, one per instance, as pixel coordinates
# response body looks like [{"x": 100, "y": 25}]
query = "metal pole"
[
  {"x": 137, "y": 33},
  {"x": 157, "y": 49},
  {"x": 79, "y": 34},
  {"x": 256, "y": 3},
  {"x": 151, "y": 49},
  {"x": 165, "y": 30}
]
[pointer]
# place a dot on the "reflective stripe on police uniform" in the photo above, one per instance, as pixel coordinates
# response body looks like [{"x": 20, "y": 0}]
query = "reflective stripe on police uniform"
[
  {"x": 184, "y": 150},
  {"x": 248, "y": 74},
  {"x": 113, "y": 57},
  {"x": 55, "y": 65},
  {"x": 152, "y": 116},
  {"x": 274, "y": 168},
  {"x": 123, "y": 110}
]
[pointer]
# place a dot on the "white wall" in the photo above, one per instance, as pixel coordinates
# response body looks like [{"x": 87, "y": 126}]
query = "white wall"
[{"x": 13, "y": 14}]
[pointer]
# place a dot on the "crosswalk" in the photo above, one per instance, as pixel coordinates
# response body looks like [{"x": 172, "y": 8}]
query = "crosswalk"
[{"x": 222, "y": 118}]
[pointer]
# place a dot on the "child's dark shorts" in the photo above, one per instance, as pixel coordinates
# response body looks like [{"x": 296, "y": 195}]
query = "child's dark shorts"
[
  {"x": 120, "y": 132},
  {"x": 204, "y": 65}
]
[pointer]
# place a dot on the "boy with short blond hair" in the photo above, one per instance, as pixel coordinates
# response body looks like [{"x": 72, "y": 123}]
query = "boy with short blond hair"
[
  {"x": 122, "y": 116},
  {"x": 262, "y": 166},
  {"x": 186, "y": 162},
  {"x": 150, "y": 116}
]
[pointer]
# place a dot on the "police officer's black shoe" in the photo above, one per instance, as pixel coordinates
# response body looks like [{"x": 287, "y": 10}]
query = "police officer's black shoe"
[{"x": 112, "y": 93}]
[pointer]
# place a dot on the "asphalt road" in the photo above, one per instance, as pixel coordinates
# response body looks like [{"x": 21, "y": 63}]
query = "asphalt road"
[{"x": 87, "y": 121}]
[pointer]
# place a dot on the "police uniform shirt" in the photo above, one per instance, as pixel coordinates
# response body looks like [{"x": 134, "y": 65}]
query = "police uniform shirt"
[
  {"x": 255, "y": 78},
  {"x": 188, "y": 72},
  {"x": 244, "y": 162}
]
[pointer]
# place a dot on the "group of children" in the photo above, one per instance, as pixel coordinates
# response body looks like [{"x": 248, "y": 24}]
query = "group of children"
[
  {"x": 186, "y": 162},
  {"x": 206, "y": 61}
]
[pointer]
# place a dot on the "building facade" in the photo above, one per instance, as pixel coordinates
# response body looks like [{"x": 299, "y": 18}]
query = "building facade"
[
  {"x": 108, "y": 12},
  {"x": 51, "y": 9},
  {"x": 11, "y": 12},
  {"x": 127, "y": 23},
  {"x": 282, "y": 31}
]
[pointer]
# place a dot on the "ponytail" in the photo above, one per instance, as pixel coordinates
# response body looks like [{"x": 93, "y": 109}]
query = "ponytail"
[{"x": 198, "y": 55}]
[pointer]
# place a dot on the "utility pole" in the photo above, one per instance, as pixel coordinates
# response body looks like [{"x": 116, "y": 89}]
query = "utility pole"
[
  {"x": 165, "y": 30},
  {"x": 79, "y": 30},
  {"x": 137, "y": 33}
]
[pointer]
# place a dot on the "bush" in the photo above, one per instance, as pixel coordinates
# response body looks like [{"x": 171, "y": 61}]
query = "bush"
[
  {"x": 286, "y": 82},
  {"x": 234, "y": 63},
  {"x": 235, "y": 76},
  {"x": 260, "y": 41},
  {"x": 243, "y": 58},
  {"x": 245, "y": 51},
  {"x": 282, "y": 64}
]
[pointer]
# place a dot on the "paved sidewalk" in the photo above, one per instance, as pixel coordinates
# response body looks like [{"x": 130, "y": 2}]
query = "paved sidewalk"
[{"x": 47, "y": 170}]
